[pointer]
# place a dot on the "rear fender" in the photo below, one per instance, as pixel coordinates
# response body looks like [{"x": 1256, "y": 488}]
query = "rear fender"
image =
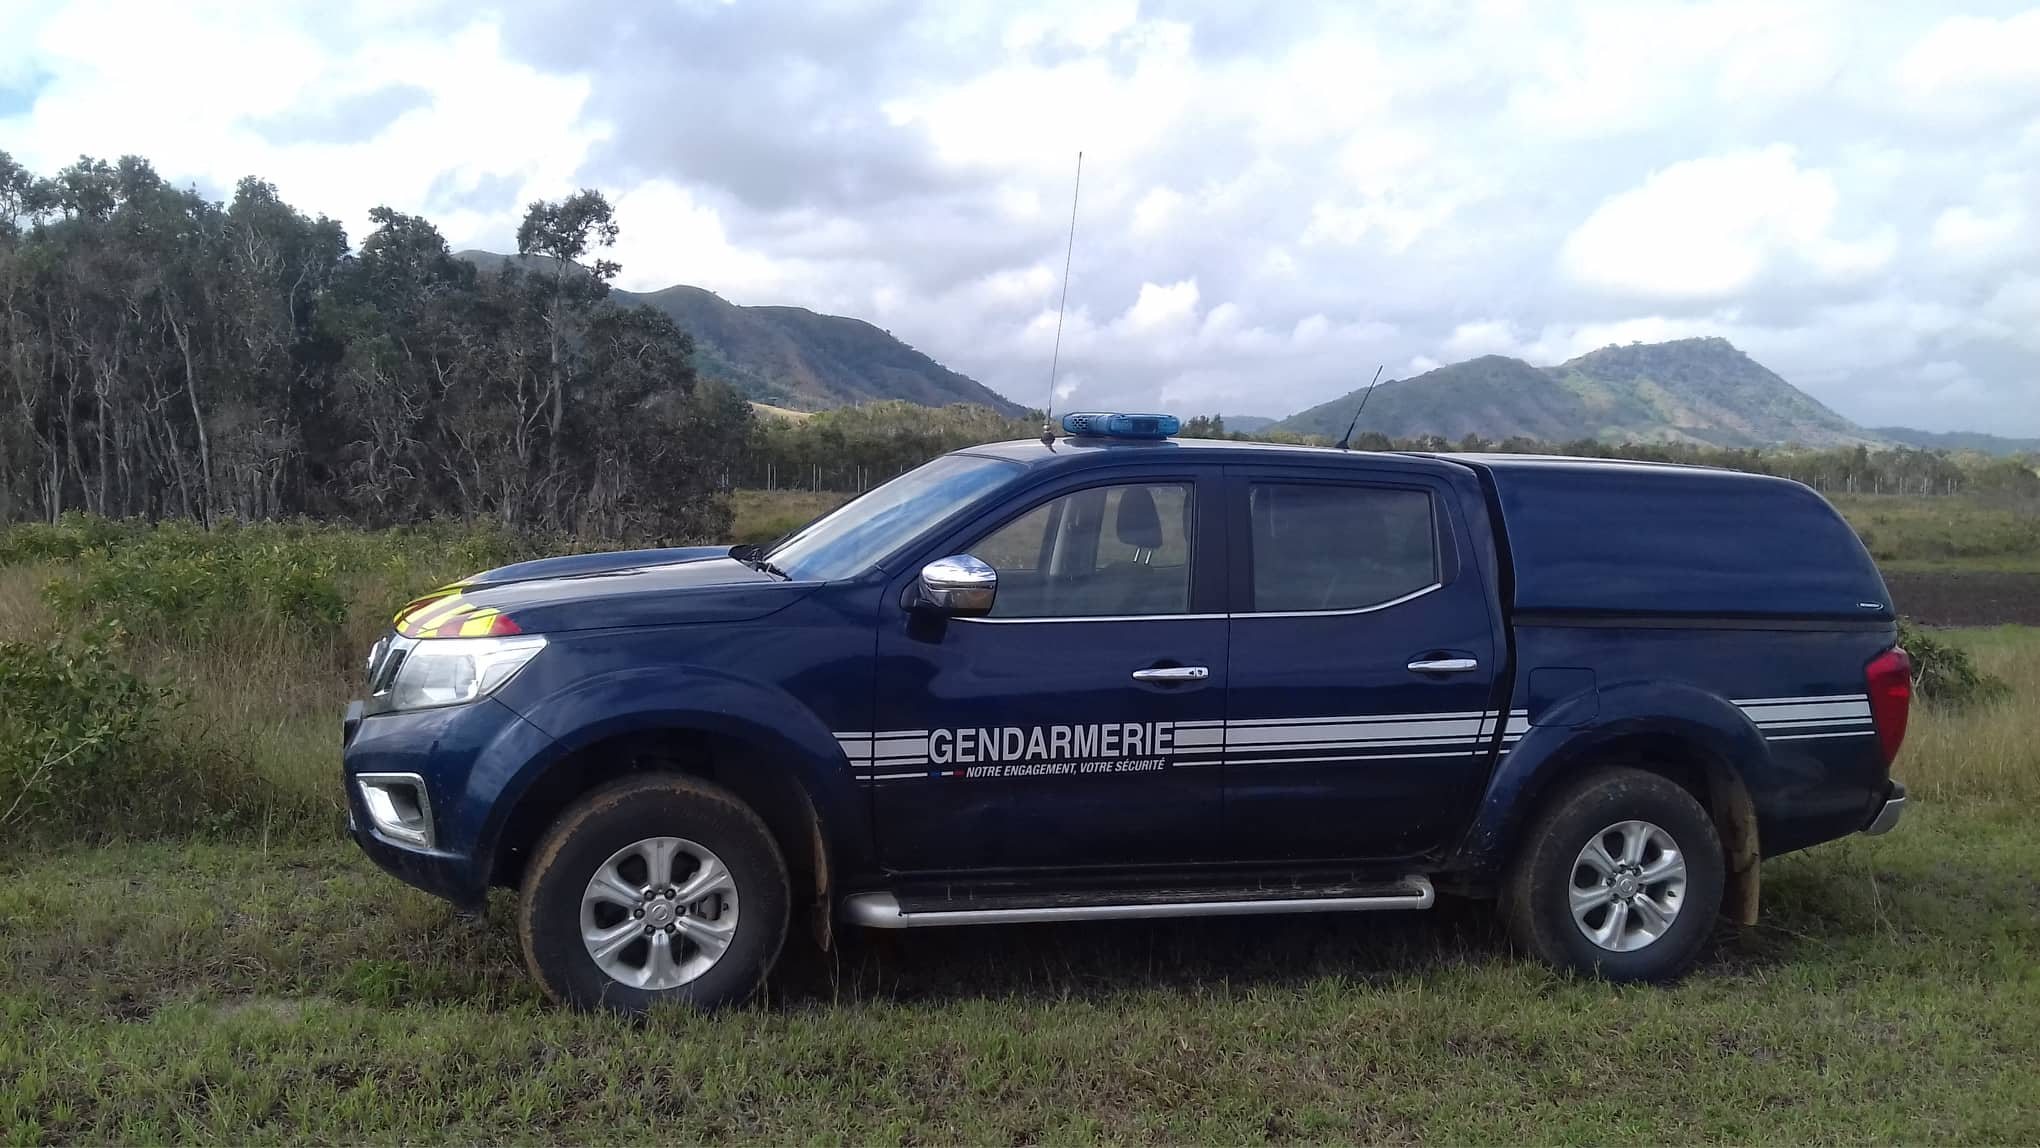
[
  {"x": 783, "y": 733},
  {"x": 1710, "y": 725}
]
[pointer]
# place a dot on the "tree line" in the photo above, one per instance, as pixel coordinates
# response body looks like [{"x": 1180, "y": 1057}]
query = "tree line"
[
  {"x": 163, "y": 355},
  {"x": 855, "y": 448},
  {"x": 168, "y": 356}
]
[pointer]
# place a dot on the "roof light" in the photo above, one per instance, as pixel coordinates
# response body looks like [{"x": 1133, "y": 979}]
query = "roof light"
[{"x": 1101, "y": 425}]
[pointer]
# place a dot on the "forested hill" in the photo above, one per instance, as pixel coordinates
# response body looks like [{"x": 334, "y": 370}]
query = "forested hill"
[
  {"x": 794, "y": 357},
  {"x": 1990, "y": 444},
  {"x": 1700, "y": 391}
]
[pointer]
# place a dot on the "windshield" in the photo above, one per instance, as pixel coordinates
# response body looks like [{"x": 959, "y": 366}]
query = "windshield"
[{"x": 852, "y": 539}]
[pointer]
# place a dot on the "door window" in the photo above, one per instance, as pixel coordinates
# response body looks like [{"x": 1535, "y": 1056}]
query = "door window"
[
  {"x": 1327, "y": 547},
  {"x": 1101, "y": 552}
]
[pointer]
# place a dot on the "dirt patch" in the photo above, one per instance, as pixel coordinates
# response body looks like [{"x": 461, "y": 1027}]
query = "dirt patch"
[{"x": 1966, "y": 597}]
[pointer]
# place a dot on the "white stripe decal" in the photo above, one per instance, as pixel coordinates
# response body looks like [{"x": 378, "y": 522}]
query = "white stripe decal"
[
  {"x": 1352, "y": 731},
  {"x": 1339, "y": 757},
  {"x": 1809, "y": 712},
  {"x": 1809, "y": 724},
  {"x": 1239, "y": 723},
  {"x": 1802, "y": 701},
  {"x": 1811, "y": 736}
]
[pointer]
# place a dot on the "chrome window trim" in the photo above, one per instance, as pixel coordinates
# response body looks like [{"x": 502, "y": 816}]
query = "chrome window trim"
[
  {"x": 1097, "y": 618},
  {"x": 1409, "y": 597}
]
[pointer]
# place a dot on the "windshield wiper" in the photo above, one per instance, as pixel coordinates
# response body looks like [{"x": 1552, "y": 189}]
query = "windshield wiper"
[{"x": 753, "y": 555}]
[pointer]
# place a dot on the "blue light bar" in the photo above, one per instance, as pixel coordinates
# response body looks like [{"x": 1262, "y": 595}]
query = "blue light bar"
[{"x": 1099, "y": 425}]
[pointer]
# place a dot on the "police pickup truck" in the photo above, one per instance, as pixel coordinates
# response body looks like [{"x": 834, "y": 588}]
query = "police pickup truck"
[{"x": 1119, "y": 675}]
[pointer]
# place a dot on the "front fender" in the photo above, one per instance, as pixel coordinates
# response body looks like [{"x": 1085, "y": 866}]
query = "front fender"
[
  {"x": 1550, "y": 751},
  {"x": 650, "y": 699}
]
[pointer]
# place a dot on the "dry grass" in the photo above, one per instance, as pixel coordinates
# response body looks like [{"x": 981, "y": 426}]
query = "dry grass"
[{"x": 1983, "y": 753}]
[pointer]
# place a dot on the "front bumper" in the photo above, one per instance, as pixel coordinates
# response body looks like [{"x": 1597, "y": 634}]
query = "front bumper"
[
  {"x": 466, "y": 757},
  {"x": 1888, "y": 814}
]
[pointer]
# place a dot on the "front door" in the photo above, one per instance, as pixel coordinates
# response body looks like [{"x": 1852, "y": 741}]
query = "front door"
[
  {"x": 1077, "y": 725},
  {"x": 1362, "y": 660}
]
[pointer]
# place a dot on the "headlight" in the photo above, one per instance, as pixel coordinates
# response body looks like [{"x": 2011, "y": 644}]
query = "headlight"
[{"x": 423, "y": 673}]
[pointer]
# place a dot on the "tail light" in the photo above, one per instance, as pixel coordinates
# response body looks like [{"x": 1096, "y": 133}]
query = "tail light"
[{"x": 1889, "y": 678}]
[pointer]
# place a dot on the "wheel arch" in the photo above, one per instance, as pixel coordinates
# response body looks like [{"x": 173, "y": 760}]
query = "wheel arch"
[
  {"x": 1700, "y": 741},
  {"x": 770, "y": 751}
]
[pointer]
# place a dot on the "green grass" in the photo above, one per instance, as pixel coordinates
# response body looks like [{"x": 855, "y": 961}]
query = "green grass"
[
  {"x": 763, "y": 516},
  {"x": 1942, "y": 534},
  {"x": 240, "y": 993},
  {"x": 283, "y": 989}
]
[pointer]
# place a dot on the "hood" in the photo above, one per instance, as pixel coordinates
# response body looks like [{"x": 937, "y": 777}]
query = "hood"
[{"x": 599, "y": 591}]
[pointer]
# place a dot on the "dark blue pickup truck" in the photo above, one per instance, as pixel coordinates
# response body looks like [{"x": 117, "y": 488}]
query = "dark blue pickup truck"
[{"x": 1119, "y": 675}]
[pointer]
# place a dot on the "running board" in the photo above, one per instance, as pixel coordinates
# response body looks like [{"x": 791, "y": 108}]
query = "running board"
[{"x": 883, "y": 910}]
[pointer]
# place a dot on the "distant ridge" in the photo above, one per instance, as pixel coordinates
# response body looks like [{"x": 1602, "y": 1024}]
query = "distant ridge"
[
  {"x": 797, "y": 358},
  {"x": 1961, "y": 440},
  {"x": 1701, "y": 391}
]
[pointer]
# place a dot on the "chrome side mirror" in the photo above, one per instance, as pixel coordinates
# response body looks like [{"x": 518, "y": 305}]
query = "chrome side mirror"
[{"x": 959, "y": 585}]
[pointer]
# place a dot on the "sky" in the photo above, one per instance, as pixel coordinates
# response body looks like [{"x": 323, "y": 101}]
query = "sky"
[{"x": 1276, "y": 198}]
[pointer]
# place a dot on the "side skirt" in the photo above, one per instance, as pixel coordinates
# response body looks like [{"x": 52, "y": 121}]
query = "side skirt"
[{"x": 885, "y": 910}]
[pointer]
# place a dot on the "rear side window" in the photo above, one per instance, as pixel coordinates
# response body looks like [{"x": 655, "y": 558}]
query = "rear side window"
[{"x": 1330, "y": 547}]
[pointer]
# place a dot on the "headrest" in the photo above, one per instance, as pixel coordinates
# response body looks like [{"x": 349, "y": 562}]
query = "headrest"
[{"x": 1139, "y": 525}]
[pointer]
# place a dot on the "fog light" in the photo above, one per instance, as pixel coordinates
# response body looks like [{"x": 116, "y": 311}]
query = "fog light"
[{"x": 397, "y": 806}]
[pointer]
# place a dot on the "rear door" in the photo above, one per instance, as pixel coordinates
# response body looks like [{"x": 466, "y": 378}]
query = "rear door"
[
  {"x": 1075, "y": 727},
  {"x": 1361, "y": 665}
]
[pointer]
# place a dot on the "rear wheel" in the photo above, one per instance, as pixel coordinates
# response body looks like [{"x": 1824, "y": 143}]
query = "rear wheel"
[
  {"x": 656, "y": 888},
  {"x": 1620, "y": 877}
]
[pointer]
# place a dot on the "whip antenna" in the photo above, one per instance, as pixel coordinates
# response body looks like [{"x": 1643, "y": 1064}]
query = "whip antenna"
[
  {"x": 1346, "y": 440},
  {"x": 1055, "y": 357}
]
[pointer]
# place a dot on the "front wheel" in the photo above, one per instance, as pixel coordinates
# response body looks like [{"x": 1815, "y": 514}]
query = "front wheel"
[
  {"x": 655, "y": 888},
  {"x": 1621, "y": 878}
]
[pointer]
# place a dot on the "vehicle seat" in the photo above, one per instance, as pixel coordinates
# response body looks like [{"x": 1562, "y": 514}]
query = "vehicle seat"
[{"x": 1136, "y": 585}]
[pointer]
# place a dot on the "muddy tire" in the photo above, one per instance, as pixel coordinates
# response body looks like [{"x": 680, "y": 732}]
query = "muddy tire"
[
  {"x": 658, "y": 888},
  {"x": 1620, "y": 876}
]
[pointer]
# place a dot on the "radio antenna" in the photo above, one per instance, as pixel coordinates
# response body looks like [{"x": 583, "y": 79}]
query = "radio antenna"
[
  {"x": 1346, "y": 440},
  {"x": 1055, "y": 357}
]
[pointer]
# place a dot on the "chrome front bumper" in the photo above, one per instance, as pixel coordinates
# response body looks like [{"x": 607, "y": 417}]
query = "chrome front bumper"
[{"x": 1888, "y": 814}]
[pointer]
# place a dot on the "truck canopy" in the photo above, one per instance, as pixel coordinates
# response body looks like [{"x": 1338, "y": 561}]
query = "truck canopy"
[{"x": 1597, "y": 537}]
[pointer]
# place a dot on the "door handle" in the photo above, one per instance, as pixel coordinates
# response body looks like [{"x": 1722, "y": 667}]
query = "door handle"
[
  {"x": 1444, "y": 665},
  {"x": 1172, "y": 674}
]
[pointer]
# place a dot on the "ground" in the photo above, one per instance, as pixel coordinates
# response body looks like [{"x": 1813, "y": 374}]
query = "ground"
[{"x": 287, "y": 990}]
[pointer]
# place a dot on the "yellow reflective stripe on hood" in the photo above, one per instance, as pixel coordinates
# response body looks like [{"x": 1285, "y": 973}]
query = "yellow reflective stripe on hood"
[
  {"x": 478, "y": 624},
  {"x": 429, "y": 617}
]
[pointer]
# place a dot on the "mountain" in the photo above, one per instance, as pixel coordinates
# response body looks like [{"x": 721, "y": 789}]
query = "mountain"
[
  {"x": 1961, "y": 440},
  {"x": 793, "y": 357},
  {"x": 1689, "y": 390}
]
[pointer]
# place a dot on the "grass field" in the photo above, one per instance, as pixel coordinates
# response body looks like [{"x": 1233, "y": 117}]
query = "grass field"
[{"x": 266, "y": 983}]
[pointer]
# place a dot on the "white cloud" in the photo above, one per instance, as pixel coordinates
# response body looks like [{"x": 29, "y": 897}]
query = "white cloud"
[
  {"x": 1965, "y": 54},
  {"x": 1161, "y": 308},
  {"x": 203, "y": 92},
  {"x": 1713, "y": 228},
  {"x": 1967, "y": 235}
]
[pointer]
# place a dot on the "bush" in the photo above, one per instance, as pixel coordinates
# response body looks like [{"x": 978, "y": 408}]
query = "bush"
[
  {"x": 91, "y": 750},
  {"x": 1944, "y": 674},
  {"x": 298, "y": 579}
]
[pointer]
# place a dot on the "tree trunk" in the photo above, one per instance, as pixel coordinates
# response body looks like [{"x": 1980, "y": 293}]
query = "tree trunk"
[{"x": 205, "y": 486}]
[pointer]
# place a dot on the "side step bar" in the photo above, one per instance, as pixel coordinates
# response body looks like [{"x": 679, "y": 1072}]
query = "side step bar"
[{"x": 882, "y": 910}]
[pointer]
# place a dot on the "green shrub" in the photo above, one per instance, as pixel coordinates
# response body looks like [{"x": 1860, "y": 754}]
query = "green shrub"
[
  {"x": 90, "y": 749},
  {"x": 300, "y": 579},
  {"x": 1943, "y": 673}
]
